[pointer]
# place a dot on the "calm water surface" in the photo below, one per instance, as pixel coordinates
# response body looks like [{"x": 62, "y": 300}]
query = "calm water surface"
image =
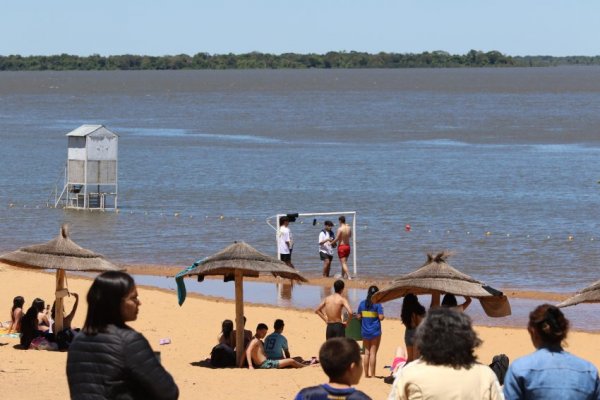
[
  {"x": 582, "y": 317},
  {"x": 207, "y": 156}
]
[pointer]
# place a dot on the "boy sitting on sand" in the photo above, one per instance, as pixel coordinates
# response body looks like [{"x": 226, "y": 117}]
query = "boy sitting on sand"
[
  {"x": 255, "y": 353},
  {"x": 276, "y": 345},
  {"x": 341, "y": 361}
]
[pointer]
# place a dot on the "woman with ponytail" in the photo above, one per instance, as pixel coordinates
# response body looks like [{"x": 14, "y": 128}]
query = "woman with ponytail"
[
  {"x": 370, "y": 316},
  {"x": 550, "y": 372}
]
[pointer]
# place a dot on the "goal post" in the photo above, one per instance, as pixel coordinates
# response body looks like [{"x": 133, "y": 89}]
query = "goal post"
[{"x": 320, "y": 214}]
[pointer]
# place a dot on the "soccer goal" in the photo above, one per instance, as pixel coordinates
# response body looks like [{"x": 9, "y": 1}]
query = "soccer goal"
[{"x": 293, "y": 216}]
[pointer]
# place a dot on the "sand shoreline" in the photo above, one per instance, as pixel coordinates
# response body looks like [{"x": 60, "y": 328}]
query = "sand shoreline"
[{"x": 193, "y": 328}]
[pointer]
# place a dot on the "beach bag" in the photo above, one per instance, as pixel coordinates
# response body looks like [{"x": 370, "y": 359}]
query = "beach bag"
[
  {"x": 500, "y": 365},
  {"x": 41, "y": 343},
  {"x": 222, "y": 356}
]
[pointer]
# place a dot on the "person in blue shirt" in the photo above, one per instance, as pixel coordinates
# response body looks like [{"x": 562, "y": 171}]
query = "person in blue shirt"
[
  {"x": 276, "y": 345},
  {"x": 370, "y": 316},
  {"x": 340, "y": 360},
  {"x": 550, "y": 372}
]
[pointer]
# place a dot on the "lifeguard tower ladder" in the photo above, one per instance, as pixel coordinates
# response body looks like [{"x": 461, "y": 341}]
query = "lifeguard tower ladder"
[{"x": 90, "y": 176}]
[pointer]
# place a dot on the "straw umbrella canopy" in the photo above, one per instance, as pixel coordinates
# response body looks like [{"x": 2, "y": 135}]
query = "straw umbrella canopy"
[
  {"x": 590, "y": 294},
  {"x": 235, "y": 262},
  {"x": 61, "y": 254},
  {"x": 437, "y": 276}
]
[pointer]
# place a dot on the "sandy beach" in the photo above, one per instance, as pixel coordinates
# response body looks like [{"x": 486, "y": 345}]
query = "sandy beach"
[{"x": 193, "y": 329}]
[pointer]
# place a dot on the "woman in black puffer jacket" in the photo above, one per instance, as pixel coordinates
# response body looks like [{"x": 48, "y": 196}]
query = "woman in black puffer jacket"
[{"x": 108, "y": 359}]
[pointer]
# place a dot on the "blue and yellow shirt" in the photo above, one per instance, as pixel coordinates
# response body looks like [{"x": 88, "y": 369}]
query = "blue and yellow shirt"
[{"x": 370, "y": 323}]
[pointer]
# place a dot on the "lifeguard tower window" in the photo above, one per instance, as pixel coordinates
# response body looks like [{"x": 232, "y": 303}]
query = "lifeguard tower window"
[{"x": 305, "y": 234}]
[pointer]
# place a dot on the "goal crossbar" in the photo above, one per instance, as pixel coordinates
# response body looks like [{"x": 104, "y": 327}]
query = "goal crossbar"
[{"x": 319, "y": 214}]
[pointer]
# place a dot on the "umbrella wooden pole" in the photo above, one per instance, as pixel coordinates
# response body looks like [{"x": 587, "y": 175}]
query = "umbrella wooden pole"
[
  {"x": 435, "y": 299},
  {"x": 239, "y": 316},
  {"x": 58, "y": 305}
]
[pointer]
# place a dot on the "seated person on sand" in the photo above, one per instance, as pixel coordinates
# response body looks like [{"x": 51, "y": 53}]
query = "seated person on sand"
[
  {"x": 247, "y": 339},
  {"x": 223, "y": 354},
  {"x": 30, "y": 325},
  {"x": 255, "y": 354},
  {"x": 247, "y": 336},
  {"x": 43, "y": 322},
  {"x": 16, "y": 313},
  {"x": 276, "y": 345},
  {"x": 225, "y": 337}
]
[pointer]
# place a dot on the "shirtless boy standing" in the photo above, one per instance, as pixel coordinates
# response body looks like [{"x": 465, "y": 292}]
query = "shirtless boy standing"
[
  {"x": 330, "y": 311},
  {"x": 342, "y": 239},
  {"x": 255, "y": 353}
]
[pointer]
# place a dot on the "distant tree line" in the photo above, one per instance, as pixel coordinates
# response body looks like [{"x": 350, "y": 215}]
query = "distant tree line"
[{"x": 255, "y": 60}]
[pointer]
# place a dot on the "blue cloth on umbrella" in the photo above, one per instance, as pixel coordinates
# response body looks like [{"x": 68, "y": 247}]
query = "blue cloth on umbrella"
[{"x": 181, "y": 292}]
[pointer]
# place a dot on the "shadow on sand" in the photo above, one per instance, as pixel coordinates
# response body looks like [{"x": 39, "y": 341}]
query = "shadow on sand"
[{"x": 206, "y": 364}]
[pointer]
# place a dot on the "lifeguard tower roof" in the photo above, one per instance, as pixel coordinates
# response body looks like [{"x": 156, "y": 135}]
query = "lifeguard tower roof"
[{"x": 85, "y": 130}]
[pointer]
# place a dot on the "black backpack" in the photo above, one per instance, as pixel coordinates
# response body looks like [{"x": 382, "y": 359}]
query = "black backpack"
[
  {"x": 222, "y": 356},
  {"x": 500, "y": 365}
]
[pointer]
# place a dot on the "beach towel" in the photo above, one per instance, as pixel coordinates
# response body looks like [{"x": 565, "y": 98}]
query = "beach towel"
[
  {"x": 181, "y": 291},
  {"x": 4, "y": 333},
  {"x": 41, "y": 343}
]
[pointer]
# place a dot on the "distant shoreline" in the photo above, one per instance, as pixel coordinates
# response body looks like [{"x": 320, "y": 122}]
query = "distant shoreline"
[{"x": 257, "y": 60}]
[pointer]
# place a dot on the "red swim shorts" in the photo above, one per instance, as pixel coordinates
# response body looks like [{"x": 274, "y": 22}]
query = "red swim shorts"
[{"x": 343, "y": 250}]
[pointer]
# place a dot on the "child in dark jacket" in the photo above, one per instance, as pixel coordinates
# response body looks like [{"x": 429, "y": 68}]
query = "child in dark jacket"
[{"x": 340, "y": 359}]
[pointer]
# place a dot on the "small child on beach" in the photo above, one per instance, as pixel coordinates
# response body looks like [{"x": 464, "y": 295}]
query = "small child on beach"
[{"x": 342, "y": 363}]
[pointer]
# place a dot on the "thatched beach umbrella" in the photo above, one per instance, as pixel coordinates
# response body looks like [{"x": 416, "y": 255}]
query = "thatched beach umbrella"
[
  {"x": 61, "y": 254},
  {"x": 590, "y": 294},
  {"x": 437, "y": 276},
  {"x": 234, "y": 263}
]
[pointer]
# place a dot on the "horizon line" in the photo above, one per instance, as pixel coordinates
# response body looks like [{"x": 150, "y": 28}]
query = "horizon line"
[{"x": 256, "y": 52}]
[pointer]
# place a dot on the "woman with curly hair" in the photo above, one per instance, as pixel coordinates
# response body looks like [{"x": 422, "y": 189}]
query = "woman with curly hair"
[
  {"x": 550, "y": 372},
  {"x": 448, "y": 368}
]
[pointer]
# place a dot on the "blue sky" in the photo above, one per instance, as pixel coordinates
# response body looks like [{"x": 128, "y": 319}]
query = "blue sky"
[{"x": 157, "y": 27}]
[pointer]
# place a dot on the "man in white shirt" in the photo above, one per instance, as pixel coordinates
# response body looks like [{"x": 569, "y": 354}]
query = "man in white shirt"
[
  {"x": 284, "y": 241},
  {"x": 325, "y": 248}
]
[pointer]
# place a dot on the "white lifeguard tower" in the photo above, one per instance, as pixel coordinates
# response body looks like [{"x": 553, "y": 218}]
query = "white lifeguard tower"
[{"x": 90, "y": 177}]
